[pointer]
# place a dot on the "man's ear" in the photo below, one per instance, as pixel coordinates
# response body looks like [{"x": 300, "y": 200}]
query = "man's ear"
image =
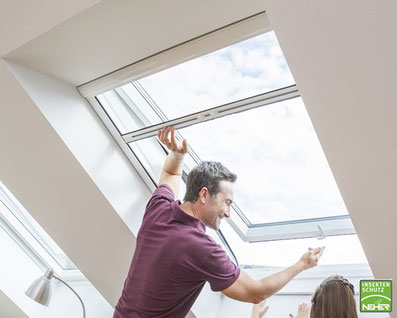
[{"x": 204, "y": 195}]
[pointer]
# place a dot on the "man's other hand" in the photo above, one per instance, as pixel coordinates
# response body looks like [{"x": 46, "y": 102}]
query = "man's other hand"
[
  {"x": 310, "y": 258},
  {"x": 170, "y": 141}
]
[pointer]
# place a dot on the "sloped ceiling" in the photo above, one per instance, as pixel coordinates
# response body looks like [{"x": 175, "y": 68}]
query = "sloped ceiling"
[
  {"x": 342, "y": 55},
  {"x": 23, "y": 20},
  {"x": 115, "y": 33}
]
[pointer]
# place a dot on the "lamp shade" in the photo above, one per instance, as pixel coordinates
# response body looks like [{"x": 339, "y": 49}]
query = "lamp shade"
[{"x": 41, "y": 289}]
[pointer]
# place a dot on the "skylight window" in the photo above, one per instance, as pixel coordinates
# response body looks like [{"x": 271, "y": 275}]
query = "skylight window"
[
  {"x": 342, "y": 249},
  {"x": 249, "y": 68},
  {"x": 283, "y": 174},
  {"x": 239, "y": 105},
  {"x": 21, "y": 226}
]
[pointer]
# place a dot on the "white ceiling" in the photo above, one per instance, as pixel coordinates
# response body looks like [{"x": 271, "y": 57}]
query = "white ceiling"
[
  {"x": 115, "y": 33},
  {"x": 24, "y": 20}
]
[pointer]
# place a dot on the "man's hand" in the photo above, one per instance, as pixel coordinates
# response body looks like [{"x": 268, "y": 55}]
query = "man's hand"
[
  {"x": 171, "y": 143},
  {"x": 310, "y": 258},
  {"x": 259, "y": 310},
  {"x": 303, "y": 311},
  {"x": 172, "y": 169}
]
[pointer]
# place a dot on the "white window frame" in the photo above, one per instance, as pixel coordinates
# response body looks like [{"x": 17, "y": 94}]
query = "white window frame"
[
  {"x": 38, "y": 250},
  {"x": 247, "y": 28}
]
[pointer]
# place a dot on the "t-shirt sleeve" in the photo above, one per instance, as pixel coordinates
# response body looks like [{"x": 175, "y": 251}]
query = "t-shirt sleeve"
[
  {"x": 163, "y": 194},
  {"x": 219, "y": 270}
]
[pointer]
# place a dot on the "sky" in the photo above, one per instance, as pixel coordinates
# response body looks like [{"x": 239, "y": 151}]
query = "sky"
[{"x": 282, "y": 171}]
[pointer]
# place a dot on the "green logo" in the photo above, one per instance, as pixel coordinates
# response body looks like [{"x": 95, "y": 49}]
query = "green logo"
[{"x": 375, "y": 295}]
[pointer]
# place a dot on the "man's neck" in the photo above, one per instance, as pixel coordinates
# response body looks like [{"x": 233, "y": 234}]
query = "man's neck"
[{"x": 191, "y": 209}]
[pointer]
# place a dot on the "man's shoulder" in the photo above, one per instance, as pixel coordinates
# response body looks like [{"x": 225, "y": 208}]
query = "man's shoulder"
[
  {"x": 160, "y": 200},
  {"x": 163, "y": 191},
  {"x": 195, "y": 240},
  {"x": 164, "y": 187}
]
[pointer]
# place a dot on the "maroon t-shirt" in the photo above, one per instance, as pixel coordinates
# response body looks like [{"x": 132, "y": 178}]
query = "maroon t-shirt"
[{"x": 172, "y": 261}]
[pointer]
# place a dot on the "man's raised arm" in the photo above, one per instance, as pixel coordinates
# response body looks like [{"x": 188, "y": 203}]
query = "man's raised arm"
[
  {"x": 172, "y": 169},
  {"x": 254, "y": 291}
]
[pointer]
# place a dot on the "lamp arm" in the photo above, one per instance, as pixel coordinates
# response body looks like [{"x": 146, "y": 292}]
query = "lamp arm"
[{"x": 82, "y": 304}]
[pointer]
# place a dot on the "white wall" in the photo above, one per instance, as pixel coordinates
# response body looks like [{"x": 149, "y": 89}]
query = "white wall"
[
  {"x": 83, "y": 133},
  {"x": 38, "y": 168},
  {"x": 9, "y": 308},
  {"x": 299, "y": 290},
  {"x": 77, "y": 124},
  {"x": 18, "y": 271}
]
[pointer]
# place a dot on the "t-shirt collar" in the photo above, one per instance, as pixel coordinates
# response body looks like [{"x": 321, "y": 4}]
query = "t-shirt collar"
[{"x": 186, "y": 218}]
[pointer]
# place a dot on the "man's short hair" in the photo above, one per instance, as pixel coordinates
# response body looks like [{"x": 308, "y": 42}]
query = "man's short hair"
[{"x": 207, "y": 174}]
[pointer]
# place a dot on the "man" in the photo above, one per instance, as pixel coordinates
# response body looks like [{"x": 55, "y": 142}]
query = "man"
[{"x": 174, "y": 257}]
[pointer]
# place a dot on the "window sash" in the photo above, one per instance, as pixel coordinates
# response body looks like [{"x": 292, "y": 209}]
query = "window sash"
[
  {"x": 16, "y": 224},
  {"x": 316, "y": 227}
]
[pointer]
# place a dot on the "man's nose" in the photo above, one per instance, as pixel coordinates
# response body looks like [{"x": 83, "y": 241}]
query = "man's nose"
[{"x": 227, "y": 213}]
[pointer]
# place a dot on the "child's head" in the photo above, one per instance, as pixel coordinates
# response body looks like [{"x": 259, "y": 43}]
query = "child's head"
[{"x": 334, "y": 298}]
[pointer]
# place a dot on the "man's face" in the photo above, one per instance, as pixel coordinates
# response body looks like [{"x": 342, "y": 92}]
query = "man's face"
[{"x": 218, "y": 207}]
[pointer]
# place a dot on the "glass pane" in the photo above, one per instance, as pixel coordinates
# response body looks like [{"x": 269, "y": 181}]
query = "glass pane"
[
  {"x": 12, "y": 205},
  {"x": 343, "y": 249},
  {"x": 127, "y": 109},
  {"x": 239, "y": 71},
  {"x": 152, "y": 157},
  {"x": 242, "y": 70},
  {"x": 283, "y": 174}
]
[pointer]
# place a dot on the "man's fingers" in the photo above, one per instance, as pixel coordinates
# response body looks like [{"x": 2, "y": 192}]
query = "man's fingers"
[
  {"x": 184, "y": 146},
  {"x": 170, "y": 140},
  {"x": 317, "y": 250},
  {"x": 320, "y": 253},
  {"x": 173, "y": 140},
  {"x": 291, "y": 315},
  {"x": 163, "y": 134},
  {"x": 167, "y": 133},
  {"x": 165, "y": 138},
  {"x": 263, "y": 310}
]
